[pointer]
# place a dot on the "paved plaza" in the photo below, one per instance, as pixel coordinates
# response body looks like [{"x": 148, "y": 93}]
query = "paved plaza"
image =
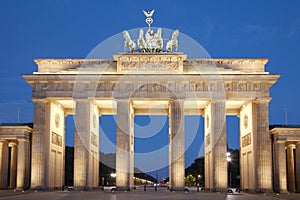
[{"x": 148, "y": 195}]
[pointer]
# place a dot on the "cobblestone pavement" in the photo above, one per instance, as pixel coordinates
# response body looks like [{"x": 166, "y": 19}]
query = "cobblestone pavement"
[{"x": 148, "y": 195}]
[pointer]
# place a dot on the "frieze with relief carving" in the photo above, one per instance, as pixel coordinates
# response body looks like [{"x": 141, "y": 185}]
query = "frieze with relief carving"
[
  {"x": 94, "y": 139},
  {"x": 207, "y": 140},
  {"x": 156, "y": 87},
  {"x": 246, "y": 140},
  {"x": 56, "y": 139},
  {"x": 148, "y": 65}
]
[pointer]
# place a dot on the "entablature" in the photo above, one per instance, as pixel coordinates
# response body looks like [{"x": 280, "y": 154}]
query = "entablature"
[{"x": 163, "y": 86}]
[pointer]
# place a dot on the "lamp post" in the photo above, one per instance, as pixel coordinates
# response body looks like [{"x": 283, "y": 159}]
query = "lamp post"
[
  {"x": 113, "y": 176},
  {"x": 198, "y": 182},
  {"x": 228, "y": 157}
]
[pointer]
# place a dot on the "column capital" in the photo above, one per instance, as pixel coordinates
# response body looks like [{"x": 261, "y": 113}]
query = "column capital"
[
  {"x": 176, "y": 100},
  {"x": 3, "y": 141},
  {"x": 262, "y": 100},
  {"x": 217, "y": 99},
  {"x": 37, "y": 100},
  {"x": 280, "y": 141},
  {"x": 10, "y": 144},
  {"x": 122, "y": 99},
  {"x": 23, "y": 140},
  {"x": 292, "y": 146},
  {"x": 82, "y": 100}
]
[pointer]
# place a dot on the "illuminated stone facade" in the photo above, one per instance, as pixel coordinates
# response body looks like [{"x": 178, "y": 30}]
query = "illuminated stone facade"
[
  {"x": 15, "y": 156},
  {"x": 150, "y": 84},
  {"x": 286, "y": 151}
]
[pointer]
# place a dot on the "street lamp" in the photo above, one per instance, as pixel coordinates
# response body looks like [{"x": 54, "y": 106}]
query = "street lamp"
[
  {"x": 228, "y": 157},
  {"x": 113, "y": 176},
  {"x": 198, "y": 182}
]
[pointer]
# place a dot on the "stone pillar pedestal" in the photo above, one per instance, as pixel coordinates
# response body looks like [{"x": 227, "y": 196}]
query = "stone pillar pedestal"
[
  {"x": 124, "y": 145},
  {"x": 13, "y": 165},
  {"x": 291, "y": 168},
  {"x": 298, "y": 167},
  {"x": 280, "y": 184},
  {"x": 3, "y": 164},
  {"x": 176, "y": 145}
]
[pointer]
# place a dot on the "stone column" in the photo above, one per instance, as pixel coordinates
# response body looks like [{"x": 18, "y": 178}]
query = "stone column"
[
  {"x": 176, "y": 145},
  {"x": 262, "y": 143},
  {"x": 21, "y": 167},
  {"x": 86, "y": 145},
  {"x": 94, "y": 146},
  {"x": 298, "y": 167},
  {"x": 124, "y": 145},
  {"x": 13, "y": 165},
  {"x": 3, "y": 164},
  {"x": 40, "y": 145},
  {"x": 81, "y": 144},
  {"x": 215, "y": 146},
  {"x": 219, "y": 142},
  {"x": 280, "y": 167},
  {"x": 291, "y": 168}
]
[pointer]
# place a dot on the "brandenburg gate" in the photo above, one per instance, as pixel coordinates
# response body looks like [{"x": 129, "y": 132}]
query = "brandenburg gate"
[{"x": 150, "y": 83}]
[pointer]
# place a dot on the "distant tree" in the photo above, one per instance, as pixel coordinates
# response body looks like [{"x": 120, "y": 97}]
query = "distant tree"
[
  {"x": 196, "y": 169},
  {"x": 190, "y": 180}
]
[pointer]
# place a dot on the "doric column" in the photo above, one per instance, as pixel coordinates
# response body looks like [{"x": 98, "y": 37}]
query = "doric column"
[
  {"x": 124, "y": 145},
  {"x": 176, "y": 144},
  {"x": 40, "y": 144},
  {"x": 291, "y": 168},
  {"x": 262, "y": 145},
  {"x": 298, "y": 167},
  {"x": 23, "y": 164},
  {"x": 215, "y": 146},
  {"x": 280, "y": 167},
  {"x": 94, "y": 146},
  {"x": 13, "y": 165},
  {"x": 3, "y": 164},
  {"x": 86, "y": 145}
]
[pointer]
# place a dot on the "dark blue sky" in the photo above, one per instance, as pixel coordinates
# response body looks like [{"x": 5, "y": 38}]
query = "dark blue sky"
[{"x": 71, "y": 29}]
